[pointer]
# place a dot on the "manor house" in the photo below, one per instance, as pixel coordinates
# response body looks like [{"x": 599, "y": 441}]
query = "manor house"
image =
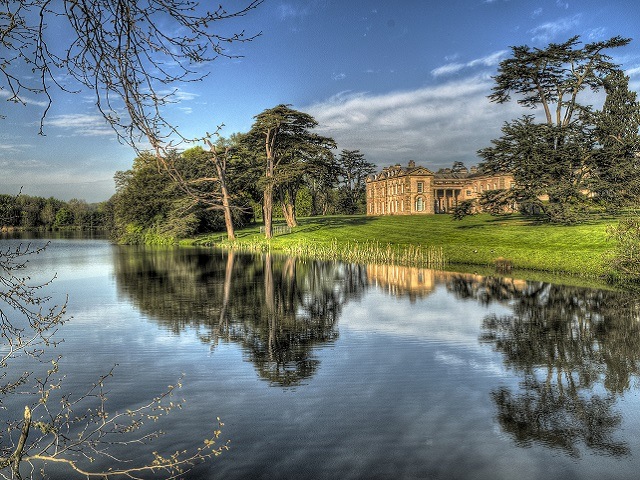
[{"x": 417, "y": 190}]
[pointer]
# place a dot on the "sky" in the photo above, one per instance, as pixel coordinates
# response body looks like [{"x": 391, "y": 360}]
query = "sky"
[{"x": 399, "y": 81}]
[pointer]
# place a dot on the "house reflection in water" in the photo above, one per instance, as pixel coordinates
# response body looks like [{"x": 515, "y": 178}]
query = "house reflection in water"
[
  {"x": 403, "y": 281},
  {"x": 417, "y": 283}
]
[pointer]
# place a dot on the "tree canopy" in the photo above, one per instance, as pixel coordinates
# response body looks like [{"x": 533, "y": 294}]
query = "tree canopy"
[
  {"x": 288, "y": 150},
  {"x": 560, "y": 162}
]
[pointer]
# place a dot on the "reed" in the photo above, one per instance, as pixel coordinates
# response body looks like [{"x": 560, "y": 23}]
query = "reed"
[
  {"x": 254, "y": 245},
  {"x": 370, "y": 252}
]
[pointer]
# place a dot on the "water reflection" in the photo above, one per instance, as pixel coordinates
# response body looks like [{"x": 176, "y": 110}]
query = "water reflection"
[
  {"x": 576, "y": 351},
  {"x": 279, "y": 309}
]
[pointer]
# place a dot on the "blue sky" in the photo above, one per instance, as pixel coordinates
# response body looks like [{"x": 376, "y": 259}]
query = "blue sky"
[{"x": 397, "y": 80}]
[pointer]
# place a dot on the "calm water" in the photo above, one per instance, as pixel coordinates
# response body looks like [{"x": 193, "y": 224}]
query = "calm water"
[{"x": 325, "y": 370}]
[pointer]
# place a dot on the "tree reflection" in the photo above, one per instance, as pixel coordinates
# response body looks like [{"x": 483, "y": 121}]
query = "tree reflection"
[
  {"x": 279, "y": 309},
  {"x": 577, "y": 351}
]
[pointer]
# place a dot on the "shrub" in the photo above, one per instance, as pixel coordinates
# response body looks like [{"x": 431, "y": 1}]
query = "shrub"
[{"x": 625, "y": 260}]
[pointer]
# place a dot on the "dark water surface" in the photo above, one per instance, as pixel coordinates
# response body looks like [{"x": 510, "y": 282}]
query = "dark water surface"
[{"x": 331, "y": 371}]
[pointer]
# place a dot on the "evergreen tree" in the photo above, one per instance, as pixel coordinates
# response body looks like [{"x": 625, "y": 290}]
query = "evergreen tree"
[
  {"x": 616, "y": 164},
  {"x": 553, "y": 158}
]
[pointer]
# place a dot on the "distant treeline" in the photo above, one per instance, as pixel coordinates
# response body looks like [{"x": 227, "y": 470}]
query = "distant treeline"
[{"x": 27, "y": 212}]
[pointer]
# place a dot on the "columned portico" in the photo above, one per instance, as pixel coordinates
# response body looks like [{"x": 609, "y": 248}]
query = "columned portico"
[{"x": 446, "y": 199}]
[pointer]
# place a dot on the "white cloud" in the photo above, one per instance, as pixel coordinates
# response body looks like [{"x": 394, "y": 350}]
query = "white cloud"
[
  {"x": 294, "y": 10},
  {"x": 550, "y": 30},
  {"x": 597, "y": 34},
  {"x": 180, "y": 95},
  {"x": 7, "y": 147},
  {"x": 23, "y": 99},
  {"x": 81, "y": 124},
  {"x": 289, "y": 11},
  {"x": 488, "y": 61},
  {"x": 434, "y": 125},
  {"x": 633, "y": 71},
  {"x": 339, "y": 76},
  {"x": 447, "y": 69}
]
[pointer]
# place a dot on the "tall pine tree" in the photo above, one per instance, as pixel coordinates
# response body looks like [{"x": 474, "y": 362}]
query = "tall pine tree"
[{"x": 616, "y": 170}]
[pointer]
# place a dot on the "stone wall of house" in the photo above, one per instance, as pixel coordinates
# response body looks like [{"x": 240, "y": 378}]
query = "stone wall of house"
[
  {"x": 416, "y": 190},
  {"x": 399, "y": 191}
]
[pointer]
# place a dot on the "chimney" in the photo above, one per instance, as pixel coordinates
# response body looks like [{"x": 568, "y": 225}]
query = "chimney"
[{"x": 412, "y": 164}]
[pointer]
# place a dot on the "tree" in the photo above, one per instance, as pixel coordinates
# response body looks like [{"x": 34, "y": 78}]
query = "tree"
[
  {"x": 552, "y": 157},
  {"x": 463, "y": 209},
  {"x": 309, "y": 160},
  {"x": 552, "y": 78},
  {"x": 64, "y": 218},
  {"x": 353, "y": 172},
  {"x": 202, "y": 185},
  {"x": 79, "y": 211},
  {"x": 616, "y": 164},
  {"x": 49, "y": 211},
  {"x": 625, "y": 256},
  {"x": 219, "y": 156},
  {"x": 143, "y": 195},
  {"x": 282, "y": 136},
  {"x": 322, "y": 191}
]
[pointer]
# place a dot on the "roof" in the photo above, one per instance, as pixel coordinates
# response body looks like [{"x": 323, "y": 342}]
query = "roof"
[{"x": 443, "y": 176}]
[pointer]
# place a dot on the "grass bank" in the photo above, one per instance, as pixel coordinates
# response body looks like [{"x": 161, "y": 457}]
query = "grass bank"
[{"x": 514, "y": 240}]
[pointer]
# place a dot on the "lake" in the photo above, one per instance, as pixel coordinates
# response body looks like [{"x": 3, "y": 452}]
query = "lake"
[{"x": 324, "y": 370}]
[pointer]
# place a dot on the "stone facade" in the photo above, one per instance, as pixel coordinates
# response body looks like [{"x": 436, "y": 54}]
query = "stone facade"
[{"x": 414, "y": 189}]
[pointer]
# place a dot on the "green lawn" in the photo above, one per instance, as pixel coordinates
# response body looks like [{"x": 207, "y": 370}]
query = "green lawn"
[{"x": 475, "y": 240}]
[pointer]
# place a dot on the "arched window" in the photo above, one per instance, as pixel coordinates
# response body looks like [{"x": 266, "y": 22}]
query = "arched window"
[{"x": 419, "y": 204}]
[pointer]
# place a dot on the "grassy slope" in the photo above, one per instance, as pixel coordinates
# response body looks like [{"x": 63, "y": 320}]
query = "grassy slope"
[{"x": 477, "y": 240}]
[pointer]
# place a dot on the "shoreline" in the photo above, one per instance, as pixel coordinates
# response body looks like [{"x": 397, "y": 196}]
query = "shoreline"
[{"x": 506, "y": 243}]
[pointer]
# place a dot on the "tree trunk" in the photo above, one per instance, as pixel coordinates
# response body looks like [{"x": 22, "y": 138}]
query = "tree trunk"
[
  {"x": 267, "y": 211},
  {"x": 269, "y": 297},
  {"x": 267, "y": 203},
  {"x": 289, "y": 212},
  {"x": 226, "y": 202},
  {"x": 289, "y": 207},
  {"x": 292, "y": 214},
  {"x": 221, "y": 169}
]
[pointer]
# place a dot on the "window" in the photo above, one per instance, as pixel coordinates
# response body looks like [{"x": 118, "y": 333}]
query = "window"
[
  {"x": 420, "y": 187},
  {"x": 419, "y": 204},
  {"x": 468, "y": 193}
]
